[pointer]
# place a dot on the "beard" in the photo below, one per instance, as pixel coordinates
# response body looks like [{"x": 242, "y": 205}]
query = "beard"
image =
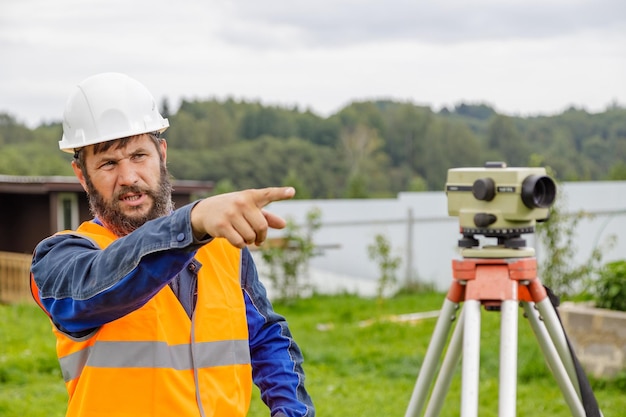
[{"x": 121, "y": 224}]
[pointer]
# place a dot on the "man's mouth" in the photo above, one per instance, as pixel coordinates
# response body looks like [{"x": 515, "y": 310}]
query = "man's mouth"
[{"x": 133, "y": 199}]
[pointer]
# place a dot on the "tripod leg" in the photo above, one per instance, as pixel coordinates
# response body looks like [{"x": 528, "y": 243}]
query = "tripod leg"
[
  {"x": 554, "y": 361},
  {"x": 471, "y": 359},
  {"x": 451, "y": 360},
  {"x": 553, "y": 324},
  {"x": 431, "y": 359},
  {"x": 508, "y": 358}
]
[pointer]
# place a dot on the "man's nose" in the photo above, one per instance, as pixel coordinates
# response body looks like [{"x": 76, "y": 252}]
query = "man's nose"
[{"x": 127, "y": 173}]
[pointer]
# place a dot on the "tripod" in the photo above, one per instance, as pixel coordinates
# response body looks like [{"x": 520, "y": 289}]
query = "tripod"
[{"x": 500, "y": 279}]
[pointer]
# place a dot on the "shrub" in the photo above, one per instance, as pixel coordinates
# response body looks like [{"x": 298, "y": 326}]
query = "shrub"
[
  {"x": 559, "y": 269},
  {"x": 380, "y": 251},
  {"x": 288, "y": 260},
  {"x": 609, "y": 290}
]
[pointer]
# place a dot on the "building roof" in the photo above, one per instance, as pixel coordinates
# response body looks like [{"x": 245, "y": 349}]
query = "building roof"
[{"x": 17, "y": 184}]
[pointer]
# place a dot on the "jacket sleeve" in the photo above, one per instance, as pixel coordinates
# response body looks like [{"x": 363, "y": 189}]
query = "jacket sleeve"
[
  {"x": 276, "y": 358},
  {"x": 82, "y": 286}
]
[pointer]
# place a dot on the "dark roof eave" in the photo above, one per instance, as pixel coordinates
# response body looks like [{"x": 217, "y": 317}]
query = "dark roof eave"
[{"x": 10, "y": 184}]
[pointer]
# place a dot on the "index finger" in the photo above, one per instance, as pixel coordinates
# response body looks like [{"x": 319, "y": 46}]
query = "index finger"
[{"x": 264, "y": 196}]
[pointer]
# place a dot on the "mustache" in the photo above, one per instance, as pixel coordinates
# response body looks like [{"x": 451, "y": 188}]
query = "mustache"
[{"x": 133, "y": 189}]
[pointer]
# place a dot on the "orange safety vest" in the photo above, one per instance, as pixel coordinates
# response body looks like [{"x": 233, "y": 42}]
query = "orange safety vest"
[{"x": 156, "y": 361}]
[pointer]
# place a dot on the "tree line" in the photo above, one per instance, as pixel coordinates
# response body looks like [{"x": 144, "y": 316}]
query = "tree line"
[{"x": 367, "y": 149}]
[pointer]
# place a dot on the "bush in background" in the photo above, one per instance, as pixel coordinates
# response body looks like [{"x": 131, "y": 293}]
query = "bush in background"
[
  {"x": 288, "y": 259},
  {"x": 609, "y": 290}
]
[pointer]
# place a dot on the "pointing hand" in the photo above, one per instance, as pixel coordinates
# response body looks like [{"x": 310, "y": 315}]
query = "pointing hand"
[{"x": 239, "y": 216}]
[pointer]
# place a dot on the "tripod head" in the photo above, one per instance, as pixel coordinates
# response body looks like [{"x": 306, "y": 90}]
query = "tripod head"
[{"x": 499, "y": 202}]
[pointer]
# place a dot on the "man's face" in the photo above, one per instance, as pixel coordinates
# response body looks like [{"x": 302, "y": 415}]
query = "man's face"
[{"x": 127, "y": 185}]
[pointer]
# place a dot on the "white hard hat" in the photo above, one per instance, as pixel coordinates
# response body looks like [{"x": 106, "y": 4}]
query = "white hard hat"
[{"x": 108, "y": 106}]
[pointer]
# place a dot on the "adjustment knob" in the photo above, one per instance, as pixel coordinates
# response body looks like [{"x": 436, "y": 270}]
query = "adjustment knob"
[
  {"x": 484, "y": 219},
  {"x": 484, "y": 189}
]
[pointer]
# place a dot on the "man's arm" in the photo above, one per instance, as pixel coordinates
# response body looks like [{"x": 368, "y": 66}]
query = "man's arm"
[
  {"x": 83, "y": 287},
  {"x": 276, "y": 358}
]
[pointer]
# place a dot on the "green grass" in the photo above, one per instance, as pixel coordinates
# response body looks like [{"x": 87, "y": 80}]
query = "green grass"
[
  {"x": 30, "y": 378},
  {"x": 352, "y": 370}
]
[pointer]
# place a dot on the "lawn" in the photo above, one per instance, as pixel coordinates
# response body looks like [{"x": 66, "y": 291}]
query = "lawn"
[{"x": 357, "y": 362}]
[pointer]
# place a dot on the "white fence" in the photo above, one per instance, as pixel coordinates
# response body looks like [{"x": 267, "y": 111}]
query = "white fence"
[{"x": 420, "y": 231}]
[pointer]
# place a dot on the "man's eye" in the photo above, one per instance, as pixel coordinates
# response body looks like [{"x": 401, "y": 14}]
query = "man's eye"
[{"x": 107, "y": 165}]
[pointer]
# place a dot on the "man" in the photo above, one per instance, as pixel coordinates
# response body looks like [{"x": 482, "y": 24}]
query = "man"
[{"x": 159, "y": 312}]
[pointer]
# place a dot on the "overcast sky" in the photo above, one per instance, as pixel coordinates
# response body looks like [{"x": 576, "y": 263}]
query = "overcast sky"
[{"x": 523, "y": 57}]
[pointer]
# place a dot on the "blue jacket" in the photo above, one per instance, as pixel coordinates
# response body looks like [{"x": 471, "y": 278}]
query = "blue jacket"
[{"x": 135, "y": 267}]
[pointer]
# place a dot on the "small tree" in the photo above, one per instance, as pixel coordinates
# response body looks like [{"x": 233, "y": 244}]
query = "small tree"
[
  {"x": 559, "y": 269},
  {"x": 288, "y": 260},
  {"x": 380, "y": 252}
]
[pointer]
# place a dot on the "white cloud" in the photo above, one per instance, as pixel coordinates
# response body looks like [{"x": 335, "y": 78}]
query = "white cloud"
[
  {"x": 342, "y": 22},
  {"x": 528, "y": 57}
]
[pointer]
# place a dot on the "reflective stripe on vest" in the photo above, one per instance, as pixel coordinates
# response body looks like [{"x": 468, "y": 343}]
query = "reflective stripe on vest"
[{"x": 155, "y": 355}]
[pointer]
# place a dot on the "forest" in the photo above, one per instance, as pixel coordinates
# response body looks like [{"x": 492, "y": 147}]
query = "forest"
[{"x": 366, "y": 149}]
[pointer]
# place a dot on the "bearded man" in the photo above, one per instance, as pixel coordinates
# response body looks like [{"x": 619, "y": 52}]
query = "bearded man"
[{"x": 156, "y": 311}]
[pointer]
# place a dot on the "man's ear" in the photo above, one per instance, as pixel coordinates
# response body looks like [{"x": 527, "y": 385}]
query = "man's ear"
[
  {"x": 79, "y": 174},
  {"x": 163, "y": 149}
]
